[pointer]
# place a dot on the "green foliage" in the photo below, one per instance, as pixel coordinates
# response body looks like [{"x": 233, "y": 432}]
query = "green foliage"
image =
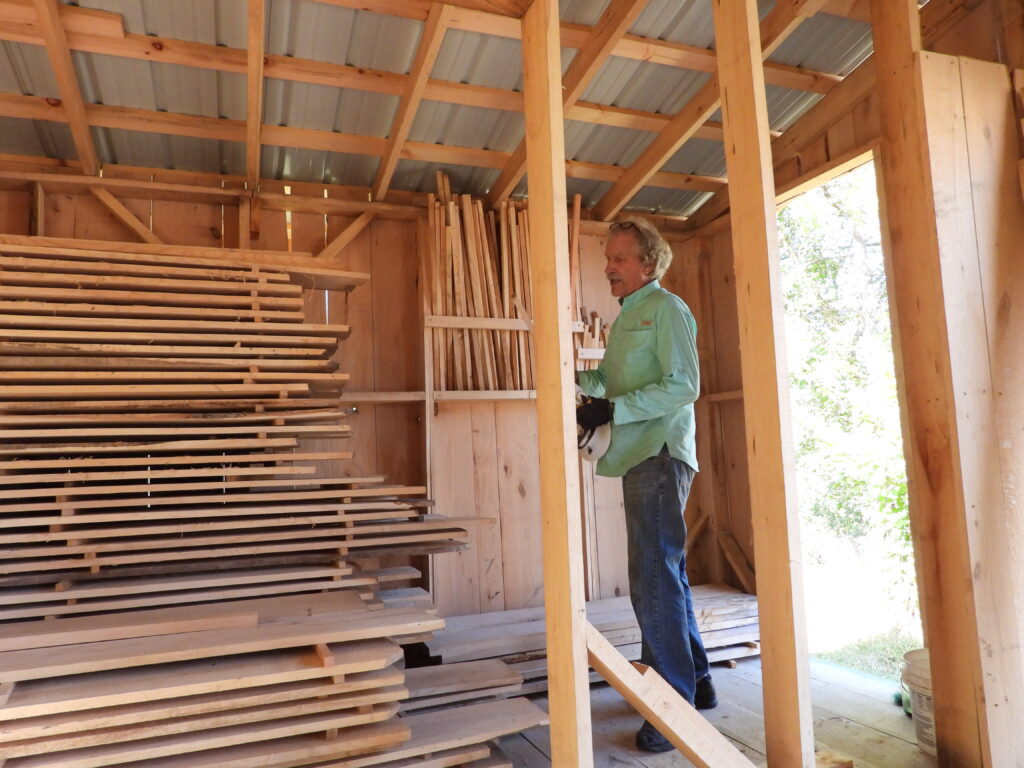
[{"x": 879, "y": 654}]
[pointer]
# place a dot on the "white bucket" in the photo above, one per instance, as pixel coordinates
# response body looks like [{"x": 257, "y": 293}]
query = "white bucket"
[{"x": 916, "y": 673}]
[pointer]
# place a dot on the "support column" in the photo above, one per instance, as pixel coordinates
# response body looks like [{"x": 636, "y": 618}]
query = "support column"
[
  {"x": 789, "y": 733},
  {"x": 564, "y": 602}
]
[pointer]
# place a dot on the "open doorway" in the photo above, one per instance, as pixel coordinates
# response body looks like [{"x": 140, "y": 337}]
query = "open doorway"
[{"x": 860, "y": 586}]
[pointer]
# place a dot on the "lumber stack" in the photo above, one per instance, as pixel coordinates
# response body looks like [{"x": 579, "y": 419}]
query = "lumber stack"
[
  {"x": 310, "y": 679},
  {"x": 153, "y": 409},
  {"x": 728, "y": 621},
  {"x": 183, "y": 577}
]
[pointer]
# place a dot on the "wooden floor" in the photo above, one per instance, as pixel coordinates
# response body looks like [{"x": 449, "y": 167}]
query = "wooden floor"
[{"x": 853, "y": 714}]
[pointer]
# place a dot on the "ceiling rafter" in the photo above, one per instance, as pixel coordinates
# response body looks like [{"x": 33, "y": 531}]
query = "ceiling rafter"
[
  {"x": 426, "y": 54},
  {"x": 616, "y": 20},
  {"x": 778, "y": 24},
  {"x": 222, "y": 129},
  {"x": 52, "y": 31},
  {"x": 256, "y": 35}
]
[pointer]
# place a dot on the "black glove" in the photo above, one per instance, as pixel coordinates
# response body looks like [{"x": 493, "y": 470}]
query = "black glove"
[{"x": 594, "y": 412}]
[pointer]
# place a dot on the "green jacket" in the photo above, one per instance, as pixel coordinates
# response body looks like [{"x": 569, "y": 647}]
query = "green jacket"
[{"x": 651, "y": 374}]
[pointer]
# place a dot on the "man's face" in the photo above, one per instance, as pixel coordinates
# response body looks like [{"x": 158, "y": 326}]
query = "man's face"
[{"x": 623, "y": 269}]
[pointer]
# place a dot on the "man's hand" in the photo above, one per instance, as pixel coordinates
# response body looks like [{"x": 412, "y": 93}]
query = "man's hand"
[{"x": 594, "y": 412}]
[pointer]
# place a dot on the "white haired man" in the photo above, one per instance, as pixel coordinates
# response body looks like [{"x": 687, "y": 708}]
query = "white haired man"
[{"x": 646, "y": 386}]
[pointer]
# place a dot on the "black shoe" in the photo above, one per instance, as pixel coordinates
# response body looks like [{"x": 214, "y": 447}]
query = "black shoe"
[
  {"x": 705, "y": 696},
  {"x": 649, "y": 740}
]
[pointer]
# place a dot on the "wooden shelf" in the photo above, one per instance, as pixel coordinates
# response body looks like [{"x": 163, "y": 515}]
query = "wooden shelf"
[
  {"x": 494, "y": 394},
  {"x": 383, "y": 397}
]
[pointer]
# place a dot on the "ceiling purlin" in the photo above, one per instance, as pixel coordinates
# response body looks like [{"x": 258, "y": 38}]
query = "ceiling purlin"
[
  {"x": 426, "y": 54},
  {"x": 223, "y": 129},
  {"x": 52, "y": 32},
  {"x": 616, "y": 20},
  {"x": 775, "y": 27}
]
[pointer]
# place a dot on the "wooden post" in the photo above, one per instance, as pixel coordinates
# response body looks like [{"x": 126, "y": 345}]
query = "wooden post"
[
  {"x": 569, "y": 687},
  {"x": 789, "y": 735},
  {"x": 925, "y": 375}
]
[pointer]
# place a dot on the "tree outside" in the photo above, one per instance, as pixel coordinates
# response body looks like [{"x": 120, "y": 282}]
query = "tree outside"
[{"x": 852, "y": 487}]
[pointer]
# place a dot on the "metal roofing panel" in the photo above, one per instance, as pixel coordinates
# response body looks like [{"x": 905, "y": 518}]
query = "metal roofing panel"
[
  {"x": 591, "y": 191},
  {"x": 154, "y": 150},
  {"x": 215, "y": 22},
  {"x": 667, "y": 202},
  {"x": 468, "y": 57},
  {"x": 26, "y": 69},
  {"x": 826, "y": 43},
  {"x": 604, "y": 143},
  {"x": 320, "y": 107},
  {"x": 698, "y": 156},
  {"x": 462, "y": 126},
  {"x": 36, "y": 138},
  {"x": 420, "y": 176},
  {"x": 292, "y": 164},
  {"x": 678, "y": 21}
]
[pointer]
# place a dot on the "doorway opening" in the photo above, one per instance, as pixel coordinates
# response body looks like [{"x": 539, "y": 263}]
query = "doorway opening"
[{"x": 859, "y": 579}]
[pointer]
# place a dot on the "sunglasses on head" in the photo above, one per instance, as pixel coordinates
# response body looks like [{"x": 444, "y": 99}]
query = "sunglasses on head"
[{"x": 618, "y": 226}]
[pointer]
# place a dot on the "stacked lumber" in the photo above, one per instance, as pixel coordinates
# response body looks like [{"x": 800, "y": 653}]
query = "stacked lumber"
[
  {"x": 183, "y": 577},
  {"x": 727, "y": 618},
  {"x": 478, "y": 266},
  {"x": 187, "y": 687},
  {"x": 153, "y": 409}
]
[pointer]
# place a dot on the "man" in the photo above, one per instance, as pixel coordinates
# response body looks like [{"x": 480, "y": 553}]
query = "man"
[{"x": 646, "y": 386}]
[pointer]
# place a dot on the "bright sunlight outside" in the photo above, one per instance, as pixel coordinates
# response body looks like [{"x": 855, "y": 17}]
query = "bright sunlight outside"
[{"x": 861, "y": 596}]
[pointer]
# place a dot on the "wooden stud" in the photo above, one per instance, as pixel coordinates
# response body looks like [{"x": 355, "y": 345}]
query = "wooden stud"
[
  {"x": 560, "y": 496},
  {"x": 789, "y": 732},
  {"x": 920, "y": 336}
]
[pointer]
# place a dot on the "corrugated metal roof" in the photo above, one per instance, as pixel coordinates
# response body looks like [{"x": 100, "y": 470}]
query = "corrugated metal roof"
[{"x": 331, "y": 33}]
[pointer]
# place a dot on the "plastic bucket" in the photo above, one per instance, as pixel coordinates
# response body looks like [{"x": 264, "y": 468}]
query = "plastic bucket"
[{"x": 916, "y": 674}]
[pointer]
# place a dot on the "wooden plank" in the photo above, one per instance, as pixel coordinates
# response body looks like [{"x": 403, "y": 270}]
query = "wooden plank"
[
  {"x": 788, "y": 728},
  {"x": 302, "y": 267},
  {"x": 101, "y": 690},
  {"x": 279, "y": 333},
  {"x": 125, "y": 216},
  {"x": 54, "y": 37},
  {"x": 114, "y": 654},
  {"x": 560, "y": 497},
  {"x": 662, "y": 706},
  {"x": 925, "y": 376},
  {"x": 987, "y": 422}
]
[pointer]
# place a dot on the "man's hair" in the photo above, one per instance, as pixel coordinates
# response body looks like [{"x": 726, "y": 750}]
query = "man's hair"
[{"x": 653, "y": 250}]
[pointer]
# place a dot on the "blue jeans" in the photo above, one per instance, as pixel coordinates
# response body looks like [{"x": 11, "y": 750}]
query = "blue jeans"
[{"x": 654, "y": 493}]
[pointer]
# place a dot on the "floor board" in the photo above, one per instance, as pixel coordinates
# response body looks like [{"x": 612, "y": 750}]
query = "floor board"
[{"x": 853, "y": 714}]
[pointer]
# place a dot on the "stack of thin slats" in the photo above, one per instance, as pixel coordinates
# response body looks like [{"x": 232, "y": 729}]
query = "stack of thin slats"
[
  {"x": 479, "y": 267},
  {"x": 152, "y": 409},
  {"x": 726, "y": 617}
]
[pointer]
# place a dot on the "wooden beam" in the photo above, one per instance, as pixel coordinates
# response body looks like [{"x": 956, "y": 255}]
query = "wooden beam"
[
  {"x": 911, "y": 222},
  {"x": 777, "y": 25},
  {"x": 256, "y": 36},
  {"x": 564, "y": 600},
  {"x": 56, "y": 41},
  {"x": 37, "y": 215},
  {"x": 663, "y": 707},
  {"x": 616, "y": 20},
  {"x": 789, "y": 733},
  {"x": 426, "y": 54},
  {"x": 125, "y": 216},
  {"x": 334, "y": 248}
]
